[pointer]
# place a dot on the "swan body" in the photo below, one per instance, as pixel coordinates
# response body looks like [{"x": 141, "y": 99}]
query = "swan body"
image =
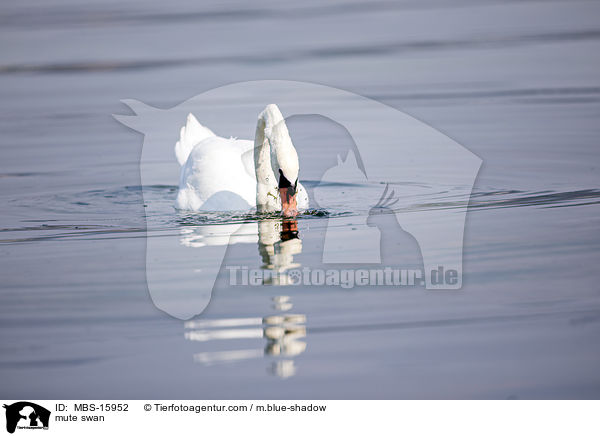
[{"x": 220, "y": 174}]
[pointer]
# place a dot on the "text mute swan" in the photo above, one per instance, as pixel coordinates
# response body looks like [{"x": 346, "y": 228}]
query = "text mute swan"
[{"x": 219, "y": 174}]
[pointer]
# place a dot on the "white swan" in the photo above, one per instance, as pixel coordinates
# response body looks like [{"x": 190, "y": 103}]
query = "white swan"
[{"x": 234, "y": 174}]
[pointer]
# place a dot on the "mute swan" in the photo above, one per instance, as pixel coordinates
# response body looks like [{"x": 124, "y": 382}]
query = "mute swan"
[{"x": 234, "y": 174}]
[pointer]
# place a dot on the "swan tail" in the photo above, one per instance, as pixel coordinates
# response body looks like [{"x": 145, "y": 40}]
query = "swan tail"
[{"x": 191, "y": 134}]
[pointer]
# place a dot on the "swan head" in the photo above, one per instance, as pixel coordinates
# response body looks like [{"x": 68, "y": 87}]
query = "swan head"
[
  {"x": 286, "y": 162},
  {"x": 287, "y": 193},
  {"x": 275, "y": 160}
]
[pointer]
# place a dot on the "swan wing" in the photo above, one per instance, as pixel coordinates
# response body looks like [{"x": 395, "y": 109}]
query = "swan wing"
[
  {"x": 189, "y": 136},
  {"x": 302, "y": 197},
  {"x": 214, "y": 177}
]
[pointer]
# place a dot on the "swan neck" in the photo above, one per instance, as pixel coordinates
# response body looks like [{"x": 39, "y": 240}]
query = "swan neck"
[
  {"x": 265, "y": 177},
  {"x": 273, "y": 152}
]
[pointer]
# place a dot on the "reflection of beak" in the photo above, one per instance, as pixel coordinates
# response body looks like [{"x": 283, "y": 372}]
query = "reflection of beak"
[
  {"x": 289, "y": 207},
  {"x": 289, "y": 230}
]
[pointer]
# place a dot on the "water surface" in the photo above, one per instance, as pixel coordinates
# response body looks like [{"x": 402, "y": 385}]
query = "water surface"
[{"x": 514, "y": 82}]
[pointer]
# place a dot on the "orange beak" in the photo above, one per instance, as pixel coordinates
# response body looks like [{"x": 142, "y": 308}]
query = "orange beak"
[{"x": 289, "y": 207}]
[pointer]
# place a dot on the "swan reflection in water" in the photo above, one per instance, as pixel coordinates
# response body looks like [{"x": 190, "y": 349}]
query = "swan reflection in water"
[
  {"x": 282, "y": 332},
  {"x": 277, "y": 238},
  {"x": 278, "y": 242}
]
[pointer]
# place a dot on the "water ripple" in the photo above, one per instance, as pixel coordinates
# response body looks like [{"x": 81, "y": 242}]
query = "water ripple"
[
  {"x": 290, "y": 56},
  {"x": 162, "y": 218}
]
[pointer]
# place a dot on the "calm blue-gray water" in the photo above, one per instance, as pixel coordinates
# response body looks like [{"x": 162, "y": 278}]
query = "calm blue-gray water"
[{"x": 516, "y": 83}]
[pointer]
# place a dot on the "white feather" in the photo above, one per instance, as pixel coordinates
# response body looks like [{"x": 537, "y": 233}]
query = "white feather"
[{"x": 235, "y": 174}]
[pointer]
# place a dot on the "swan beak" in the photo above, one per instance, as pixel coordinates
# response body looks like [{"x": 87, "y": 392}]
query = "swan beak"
[{"x": 289, "y": 206}]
